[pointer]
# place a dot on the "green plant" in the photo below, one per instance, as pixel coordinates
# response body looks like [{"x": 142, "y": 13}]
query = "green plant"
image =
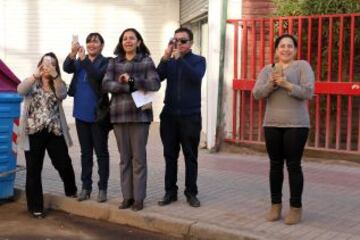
[{"x": 313, "y": 7}]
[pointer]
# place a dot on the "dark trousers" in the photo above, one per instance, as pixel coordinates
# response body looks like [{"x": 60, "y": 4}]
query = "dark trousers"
[
  {"x": 93, "y": 136},
  {"x": 286, "y": 144},
  {"x": 184, "y": 131},
  {"x": 58, "y": 153}
]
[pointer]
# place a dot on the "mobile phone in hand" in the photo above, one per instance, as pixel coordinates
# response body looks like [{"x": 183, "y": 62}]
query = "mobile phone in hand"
[
  {"x": 47, "y": 61},
  {"x": 276, "y": 68},
  {"x": 171, "y": 41},
  {"x": 75, "y": 38}
]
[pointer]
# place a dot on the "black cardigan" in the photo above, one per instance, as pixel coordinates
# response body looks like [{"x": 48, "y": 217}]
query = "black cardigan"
[{"x": 95, "y": 72}]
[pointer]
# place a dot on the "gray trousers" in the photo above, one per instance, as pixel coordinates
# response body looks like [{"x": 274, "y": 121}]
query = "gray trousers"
[{"x": 131, "y": 140}]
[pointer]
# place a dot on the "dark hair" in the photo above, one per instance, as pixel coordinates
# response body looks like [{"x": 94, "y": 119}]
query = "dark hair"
[
  {"x": 52, "y": 55},
  {"x": 94, "y": 36},
  {"x": 119, "y": 50},
  {"x": 286, "y": 35},
  {"x": 57, "y": 68},
  {"x": 188, "y": 31}
]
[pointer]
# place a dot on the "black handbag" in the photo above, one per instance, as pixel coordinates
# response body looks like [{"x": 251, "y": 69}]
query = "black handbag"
[{"x": 103, "y": 112}]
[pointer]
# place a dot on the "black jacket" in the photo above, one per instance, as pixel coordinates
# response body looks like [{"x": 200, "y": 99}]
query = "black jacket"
[
  {"x": 183, "y": 88},
  {"x": 95, "y": 73}
]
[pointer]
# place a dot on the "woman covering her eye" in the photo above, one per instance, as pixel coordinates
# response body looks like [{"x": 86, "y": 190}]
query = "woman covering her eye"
[{"x": 43, "y": 127}]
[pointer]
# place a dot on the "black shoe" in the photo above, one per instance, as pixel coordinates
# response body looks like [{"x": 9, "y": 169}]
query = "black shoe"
[
  {"x": 137, "y": 206},
  {"x": 167, "y": 199},
  {"x": 84, "y": 195},
  {"x": 74, "y": 195},
  {"x": 126, "y": 203},
  {"x": 193, "y": 201},
  {"x": 102, "y": 196}
]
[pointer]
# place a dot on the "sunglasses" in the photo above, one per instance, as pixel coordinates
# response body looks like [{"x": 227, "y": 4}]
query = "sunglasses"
[{"x": 182, "y": 41}]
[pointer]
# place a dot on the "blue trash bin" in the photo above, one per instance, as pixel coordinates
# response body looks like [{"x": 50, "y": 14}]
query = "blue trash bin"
[{"x": 9, "y": 123}]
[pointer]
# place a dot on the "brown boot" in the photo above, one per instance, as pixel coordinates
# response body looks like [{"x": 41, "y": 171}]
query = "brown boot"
[
  {"x": 275, "y": 213},
  {"x": 294, "y": 216}
]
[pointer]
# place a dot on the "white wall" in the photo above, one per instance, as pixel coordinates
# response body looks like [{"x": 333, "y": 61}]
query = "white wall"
[
  {"x": 214, "y": 23},
  {"x": 30, "y": 28},
  {"x": 234, "y": 12},
  {"x": 215, "y": 13}
]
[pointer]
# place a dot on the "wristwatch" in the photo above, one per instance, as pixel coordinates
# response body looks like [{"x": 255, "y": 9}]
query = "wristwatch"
[{"x": 131, "y": 83}]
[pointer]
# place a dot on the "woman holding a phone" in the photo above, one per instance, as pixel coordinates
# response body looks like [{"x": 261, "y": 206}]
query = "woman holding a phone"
[
  {"x": 286, "y": 85},
  {"x": 43, "y": 127},
  {"x": 131, "y": 70},
  {"x": 85, "y": 87}
]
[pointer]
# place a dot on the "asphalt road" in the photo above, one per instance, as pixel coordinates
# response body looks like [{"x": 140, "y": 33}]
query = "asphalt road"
[{"x": 17, "y": 224}]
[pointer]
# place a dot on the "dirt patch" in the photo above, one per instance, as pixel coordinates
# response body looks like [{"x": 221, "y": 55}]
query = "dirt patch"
[
  {"x": 17, "y": 224},
  {"x": 246, "y": 149}
]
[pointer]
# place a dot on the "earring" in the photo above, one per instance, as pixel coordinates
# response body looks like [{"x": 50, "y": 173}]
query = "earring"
[{"x": 276, "y": 57}]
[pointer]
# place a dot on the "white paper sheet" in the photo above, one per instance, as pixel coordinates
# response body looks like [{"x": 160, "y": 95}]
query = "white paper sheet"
[{"x": 141, "y": 98}]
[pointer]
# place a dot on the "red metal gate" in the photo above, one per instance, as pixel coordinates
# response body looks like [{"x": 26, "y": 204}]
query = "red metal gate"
[{"x": 331, "y": 44}]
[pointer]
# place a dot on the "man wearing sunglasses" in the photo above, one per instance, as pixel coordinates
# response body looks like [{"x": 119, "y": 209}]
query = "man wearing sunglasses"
[{"x": 180, "y": 119}]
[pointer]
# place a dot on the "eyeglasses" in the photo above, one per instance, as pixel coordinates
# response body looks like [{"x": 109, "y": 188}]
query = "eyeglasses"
[{"x": 182, "y": 41}]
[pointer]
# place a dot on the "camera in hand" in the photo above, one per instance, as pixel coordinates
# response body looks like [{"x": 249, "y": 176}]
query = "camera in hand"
[{"x": 172, "y": 42}]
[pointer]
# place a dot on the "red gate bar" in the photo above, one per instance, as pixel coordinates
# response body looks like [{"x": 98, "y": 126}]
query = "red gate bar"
[
  {"x": 299, "y": 34},
  {"x": 253, "y": 75},
  {"x": 271, "y": 39},
  {"x": 290, "y": 29},
  {"x": 318, "y": 78},
  {"x": 309, "y": 40},
  {"x": 340, "y": 65},
  {"x": 262, "y": 63},
  {"x": 281, "y": 26},
  {"x": 331, "y": 88},
  {"x": 351, "y": 77}
]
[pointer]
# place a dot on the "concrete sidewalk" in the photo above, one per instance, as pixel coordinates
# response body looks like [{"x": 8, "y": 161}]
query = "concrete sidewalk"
[{"x": 234, "y": 193}]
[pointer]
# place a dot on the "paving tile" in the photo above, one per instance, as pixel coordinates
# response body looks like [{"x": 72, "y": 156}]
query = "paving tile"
[{"x": 234, "y": 192}]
